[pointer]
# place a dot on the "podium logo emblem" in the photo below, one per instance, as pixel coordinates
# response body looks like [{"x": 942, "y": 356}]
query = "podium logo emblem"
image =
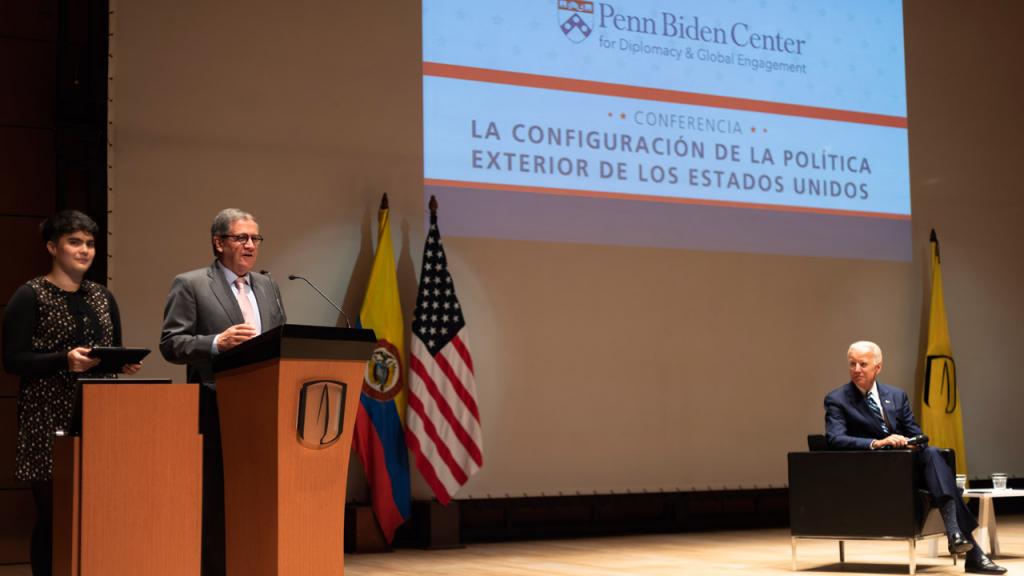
[
  {"x": 321, "y": 413},
  {"x": 382, "y": 379}
]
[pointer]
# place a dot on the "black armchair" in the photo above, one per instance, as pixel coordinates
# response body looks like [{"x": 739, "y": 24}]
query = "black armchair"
[{"x": 828, "y": 497}]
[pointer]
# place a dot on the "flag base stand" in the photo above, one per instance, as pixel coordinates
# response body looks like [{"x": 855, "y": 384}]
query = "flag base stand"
[
  {"x": 362, "y": 532},
  {"x": 431, "y": 527},
  {"x": 437, "y": 527}
]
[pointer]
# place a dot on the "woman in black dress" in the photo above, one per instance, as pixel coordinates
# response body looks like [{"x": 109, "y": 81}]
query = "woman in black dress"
[{"x": 50, "y": 324}]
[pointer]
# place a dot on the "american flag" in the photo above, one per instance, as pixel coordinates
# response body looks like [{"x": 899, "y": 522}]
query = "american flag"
[{"x": 442, "y": 420}]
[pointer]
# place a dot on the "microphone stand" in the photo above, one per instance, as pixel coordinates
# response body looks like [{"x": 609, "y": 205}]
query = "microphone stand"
[{"x": 348, "y": 323}]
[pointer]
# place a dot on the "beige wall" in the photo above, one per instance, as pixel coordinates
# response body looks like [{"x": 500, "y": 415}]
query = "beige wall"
[{"x": 599, "y": 368}]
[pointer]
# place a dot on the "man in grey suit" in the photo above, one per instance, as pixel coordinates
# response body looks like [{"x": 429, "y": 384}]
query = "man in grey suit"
[{"x": 210, "y": 311}]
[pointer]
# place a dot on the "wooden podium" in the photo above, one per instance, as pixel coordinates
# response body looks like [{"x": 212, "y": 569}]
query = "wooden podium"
[
  {"x": 126, "y": 492},
  {"x": 286, "y": 460}
]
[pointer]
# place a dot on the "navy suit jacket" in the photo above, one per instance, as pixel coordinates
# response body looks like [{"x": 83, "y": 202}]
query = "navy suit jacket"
[{"x": 851, "y": 425}]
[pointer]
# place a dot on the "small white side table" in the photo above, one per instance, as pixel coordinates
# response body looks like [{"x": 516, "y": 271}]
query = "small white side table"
[{"x": 987, "y": 514}]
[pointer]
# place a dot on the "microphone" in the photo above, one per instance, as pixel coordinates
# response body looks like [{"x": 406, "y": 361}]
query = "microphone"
[
  {"x": 348, "y": 324},
  {"x": 919, "y": 440},
  {"x": 277, "y": 297}
]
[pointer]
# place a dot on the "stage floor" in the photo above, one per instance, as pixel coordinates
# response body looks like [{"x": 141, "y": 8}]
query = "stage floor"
[{"x": 691, "y": 554}]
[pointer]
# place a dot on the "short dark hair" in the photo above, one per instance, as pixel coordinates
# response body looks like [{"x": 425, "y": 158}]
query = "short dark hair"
[
  {"x": 67, "y": 222},
  {"x": 222, "y": 224}
]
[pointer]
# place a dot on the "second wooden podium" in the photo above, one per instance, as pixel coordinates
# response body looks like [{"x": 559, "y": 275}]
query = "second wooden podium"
[
  {"x": 288, "y": 401},
  {"x": 126, "y": 493}
]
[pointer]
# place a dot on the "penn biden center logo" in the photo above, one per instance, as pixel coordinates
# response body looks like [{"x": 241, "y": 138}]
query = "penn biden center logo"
[{"x": 576, "y": 19}]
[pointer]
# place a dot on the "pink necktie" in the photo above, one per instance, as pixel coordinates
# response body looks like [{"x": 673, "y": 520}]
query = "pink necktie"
[{"x": 243, "y": 301}]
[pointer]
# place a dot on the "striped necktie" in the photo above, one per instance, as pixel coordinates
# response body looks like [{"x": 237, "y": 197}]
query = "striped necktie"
[{"x": 877, "y": 412}]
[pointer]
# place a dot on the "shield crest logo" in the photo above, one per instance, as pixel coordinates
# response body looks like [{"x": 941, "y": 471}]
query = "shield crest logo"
[
  {"x": 576, "y": 19},
  {"x": 382, "y": 378},
  {"x": 321, "y": 413}
]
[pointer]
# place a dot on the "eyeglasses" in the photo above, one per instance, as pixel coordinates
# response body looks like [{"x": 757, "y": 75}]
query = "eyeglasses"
[{"x": 244, "y": 239}]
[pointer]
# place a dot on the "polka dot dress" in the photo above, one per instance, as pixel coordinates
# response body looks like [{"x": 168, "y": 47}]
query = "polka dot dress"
[{"x": 65, "y": 320}]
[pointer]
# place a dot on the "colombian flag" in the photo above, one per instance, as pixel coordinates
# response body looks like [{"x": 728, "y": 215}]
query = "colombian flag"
[
  {"x": 380, "y": 435},
  {"x": 940, "y": 408}
]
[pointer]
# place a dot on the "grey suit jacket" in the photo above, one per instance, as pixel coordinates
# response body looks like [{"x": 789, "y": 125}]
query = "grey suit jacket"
[{"x": 201, "y": 305}]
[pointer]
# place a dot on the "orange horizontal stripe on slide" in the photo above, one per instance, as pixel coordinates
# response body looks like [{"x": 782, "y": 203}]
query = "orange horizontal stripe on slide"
[
  {"x": 652, "y": 198},
  {"x": 657, "y": 94}
]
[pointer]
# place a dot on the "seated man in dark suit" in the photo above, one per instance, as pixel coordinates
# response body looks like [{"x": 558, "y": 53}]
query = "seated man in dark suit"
[{"x": 865, "y": 414}]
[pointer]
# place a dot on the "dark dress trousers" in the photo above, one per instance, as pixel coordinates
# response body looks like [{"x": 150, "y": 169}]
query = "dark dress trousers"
[
  {"x": 201, "y": 305},
  {"x": 851, "y": 425}
]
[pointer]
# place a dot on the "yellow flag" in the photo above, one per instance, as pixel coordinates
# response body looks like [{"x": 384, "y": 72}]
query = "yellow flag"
[
  {"x": 380, "y": 433},
  {"x": 382, "y": 312},
  {"x": 940, "y": 409}
]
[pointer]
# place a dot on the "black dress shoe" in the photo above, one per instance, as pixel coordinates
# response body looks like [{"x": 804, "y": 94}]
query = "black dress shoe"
[
  {"x": 958, "y": 544},
  {"x": 982, "y": 564}
]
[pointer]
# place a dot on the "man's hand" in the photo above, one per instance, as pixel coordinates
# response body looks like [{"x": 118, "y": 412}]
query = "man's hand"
[
  {"x": 129, "y": 369},
  {"x": 79, "y": 360},
  {"x": 234, "y": 336},
  {"x": 894, "y": 440}
]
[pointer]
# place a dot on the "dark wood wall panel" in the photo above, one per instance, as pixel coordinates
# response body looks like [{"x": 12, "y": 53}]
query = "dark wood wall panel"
[
  {"x": 81, "y": 18},
  {"x": 29, "y": 260},
  {"x": 82, "y": 70},
  {"x": 35, "y": 20},
  {"x": 82, "y": 172},
  {"x": 27, "y": 72},
  {"x": 8, "y": 427},
  {"x": 16, "y": 525},
  {"x": 15, "y": 497},
  {"x": 53, "y": 119},
  {"x": 27, "y": 171},
  {"x": 9, "y": 384}
]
